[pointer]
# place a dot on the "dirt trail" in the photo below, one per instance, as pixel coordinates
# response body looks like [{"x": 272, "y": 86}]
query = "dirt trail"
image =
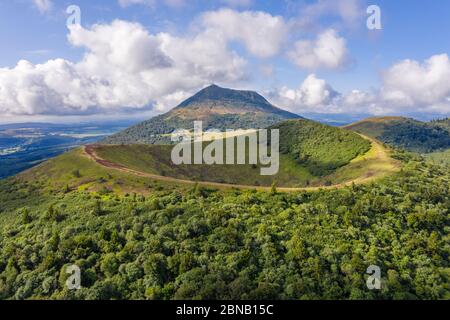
[{"x": 380, "y": 153}]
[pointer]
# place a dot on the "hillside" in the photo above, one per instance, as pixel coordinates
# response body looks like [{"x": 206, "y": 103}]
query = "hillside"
[
  {"x": 169, "y": 241},
  {"x": 319, "y": 147},
  {"x": 217, "y": 107},
  {"x": 310, "y": 153},
  {"x": 406, "y": 133},
  {"x": 145, "y": 168}
]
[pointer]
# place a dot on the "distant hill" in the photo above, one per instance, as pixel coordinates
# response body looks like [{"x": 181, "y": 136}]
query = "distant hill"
[
  {"x": 406, "y": 133},
  {"x": 217, "y": 107}
]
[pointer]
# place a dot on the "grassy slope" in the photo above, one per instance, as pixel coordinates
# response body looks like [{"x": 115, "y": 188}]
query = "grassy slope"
[
  {"x": 373, "y": 127},
  {"x": 311, "y": 154},
  {"x": 156, "y": 160},
  {"x": 373, "y": 165},
  {"x": 58, "y": 173}
]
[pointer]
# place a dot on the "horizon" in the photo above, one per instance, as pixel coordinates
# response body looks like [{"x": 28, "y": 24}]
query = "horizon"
[{"x": 325, "y": 118}]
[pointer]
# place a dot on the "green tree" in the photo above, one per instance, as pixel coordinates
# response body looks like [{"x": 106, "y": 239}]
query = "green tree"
[
  {"x": 273, "y": 188},
  {"x": 26, "y": 216},
  {"x": 97, "y": 208},
  {"x": 109, "y": 264}
]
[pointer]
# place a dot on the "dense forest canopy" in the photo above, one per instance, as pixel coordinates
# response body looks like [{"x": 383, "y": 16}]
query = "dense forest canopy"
[
  {"x": 209, "y": 244},
  {"x": 405, "y": 133},
  {"x": 320, "y": 147}
]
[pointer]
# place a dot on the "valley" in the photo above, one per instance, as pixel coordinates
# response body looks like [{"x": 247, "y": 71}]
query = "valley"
[{"x": 22, "y": 146}]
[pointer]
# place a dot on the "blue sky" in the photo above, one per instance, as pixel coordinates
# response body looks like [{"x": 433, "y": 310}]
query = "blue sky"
[{"x": 306, "y": 56}]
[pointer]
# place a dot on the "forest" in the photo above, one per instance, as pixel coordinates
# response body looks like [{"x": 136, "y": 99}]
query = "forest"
[
  {"x": 407, "y": 133},
  {"x": 229, "y": 244},
  {"x": 309, "y": 143}
]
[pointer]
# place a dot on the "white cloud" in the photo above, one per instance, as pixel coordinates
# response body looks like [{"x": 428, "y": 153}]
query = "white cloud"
[
  {"x": 357, "y": 98},
  {"x": 122, "y": 45},
  {"x": 124, "y": 67},
  {"x": 421, "y": 86},
  {"x": 315, "y": 92},
  {"x": 43, "y": 5},
  {"x": 327, "y": 51},
  {"x": 171, "y": 100},
  {"x": 407, "y": 87},
  {"x": 261, "y": 33},
  {"x": 313, "y": 95}
]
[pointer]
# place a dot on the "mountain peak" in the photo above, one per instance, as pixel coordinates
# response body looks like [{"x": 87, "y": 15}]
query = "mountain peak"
[
  {"x": 218, "y": 108},
  {"x": 216, "y": 93},
  {"x": 212, "y": 86}
]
